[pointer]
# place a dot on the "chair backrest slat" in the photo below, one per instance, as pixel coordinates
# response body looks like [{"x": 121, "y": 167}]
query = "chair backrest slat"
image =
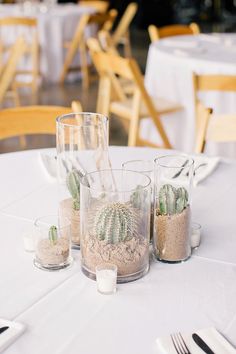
[{"x": 156, "y": 33}]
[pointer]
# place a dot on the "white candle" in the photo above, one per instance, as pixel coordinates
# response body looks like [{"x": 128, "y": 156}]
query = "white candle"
[
  {"x": 28, "y": 239},
  {"x": 195, "y": 235},
  {"x": 106, "y": 277}
]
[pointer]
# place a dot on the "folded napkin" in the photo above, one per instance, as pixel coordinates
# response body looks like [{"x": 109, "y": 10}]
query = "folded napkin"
[
  {"x": 10, "y": 335},
  {"x": 203, "y": 167},
  {"x": 211, "y": 336}
]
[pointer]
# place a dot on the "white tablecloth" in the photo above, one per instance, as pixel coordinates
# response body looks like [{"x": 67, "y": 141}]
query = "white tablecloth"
[
  {"x": 55, "y": 26},
  {"x": 62, "y": 311},
  {"x": 170, "y": 64}
]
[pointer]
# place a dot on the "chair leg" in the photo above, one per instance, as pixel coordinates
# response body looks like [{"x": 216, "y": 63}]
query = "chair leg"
[
  {"x": 84, "y": 65},
  {"x": 104, "y": 95},
  {"x": 127, "y": 46},
  {"x": 134, "y": 123}
]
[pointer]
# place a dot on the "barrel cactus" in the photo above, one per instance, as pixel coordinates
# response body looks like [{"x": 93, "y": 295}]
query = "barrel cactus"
[
  {"x": 73, "y": 184},
  {"x": 115, "y": 222},
  {"x": 52, "y": 235},
  {"x": 172, "y": 200}
]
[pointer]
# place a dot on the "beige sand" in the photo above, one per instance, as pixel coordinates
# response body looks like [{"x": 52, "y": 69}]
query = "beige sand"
[
  {"x": 130, "y": 256},
  {"x": 66, "y": 210},
  {"x": 172, "y": 236},
  {"x": 49, "y": 253}
]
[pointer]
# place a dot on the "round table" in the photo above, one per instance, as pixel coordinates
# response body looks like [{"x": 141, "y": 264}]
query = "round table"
[
  {"x": 170, "y": 64},
  {"x": 62, "y": 311},
  {"x": 55, "y": 26}
]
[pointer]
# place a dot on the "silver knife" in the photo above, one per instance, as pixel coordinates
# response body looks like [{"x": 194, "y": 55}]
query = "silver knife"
[
  {"x": 3, "y": 329},
  {"x": 200, "y": 342}
]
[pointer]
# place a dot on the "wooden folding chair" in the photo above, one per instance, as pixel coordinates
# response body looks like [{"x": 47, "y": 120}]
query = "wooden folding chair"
[
  {"x": 99, "y": 6},
  {"x": 213, "y": 127},
  {"x": 156, "y": 33},
  {"x": 9, "y": 69},
  {"x": 31, "y": 120},
  {"x": 121, "y": 35},
  {"x": 130, "y": 108},
  {"x": 28, "y": 27},
  {"x": 78, "y": 44}
]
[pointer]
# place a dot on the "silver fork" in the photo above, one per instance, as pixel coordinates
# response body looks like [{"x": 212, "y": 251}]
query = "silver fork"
[{"x": 179, "y": 344}]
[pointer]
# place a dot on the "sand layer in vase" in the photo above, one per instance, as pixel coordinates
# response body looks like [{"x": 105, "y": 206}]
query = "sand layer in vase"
[
  {"x": 172, "y": 236},
  {"x": 67, "y": 211},
  {"x": 49, "y": 253},
  {"x": 130, "y": 256}
]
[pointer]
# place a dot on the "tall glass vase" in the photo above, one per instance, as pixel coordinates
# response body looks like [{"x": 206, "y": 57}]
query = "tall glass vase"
[
  {"x": 172, "y": 216},
  {"x": 115, "y": 222},
  {"x": 82, "y": 147}
]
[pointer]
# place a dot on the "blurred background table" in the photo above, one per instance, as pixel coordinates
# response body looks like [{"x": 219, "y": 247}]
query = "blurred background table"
[
  {"x": 170, "y": 65},
  {"x": 56, "y": 25},
  {"x": 63, "y": 312}
]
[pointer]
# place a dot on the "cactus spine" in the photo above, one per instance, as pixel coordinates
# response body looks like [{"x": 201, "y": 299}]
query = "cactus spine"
[
  {"x": 73, "y": 185},
  {"x": 52, "y": 235},
  {"x": 115, "y": 223},
  {"x": 172, "y": 200}
]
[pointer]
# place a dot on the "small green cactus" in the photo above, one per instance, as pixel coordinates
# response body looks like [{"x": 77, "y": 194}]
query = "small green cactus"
[
  {"x": 115, "y": 223},
  {"x": 73, "y": 184},
  {"x": 172, "y": 200},
  {"x": 52, "y": 235}
]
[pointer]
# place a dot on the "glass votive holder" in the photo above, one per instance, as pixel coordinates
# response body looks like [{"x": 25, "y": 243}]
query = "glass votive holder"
[
  {"x": 195, "y": 235},
  {"x": 106, "y": 277},
  {"x": 52, "y": 244}
]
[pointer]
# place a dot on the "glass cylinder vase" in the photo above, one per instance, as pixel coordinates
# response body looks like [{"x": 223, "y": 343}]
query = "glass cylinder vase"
[
  {"x": 82, "y": 147},
  {"x": 146, "y": 167},
  {"x": 115, "y": 222},
  {"x": 172, "y": 216}
]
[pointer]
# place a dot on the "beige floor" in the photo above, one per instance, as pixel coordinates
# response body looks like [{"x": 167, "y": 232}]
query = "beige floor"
[{"x": 63, "y": 95}]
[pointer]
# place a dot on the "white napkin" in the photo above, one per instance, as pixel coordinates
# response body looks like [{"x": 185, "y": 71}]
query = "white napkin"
[
  {"x": 10, "y": 335},
  {"x": 203, "y": 167},
  {"x": 211, "y": 336}
]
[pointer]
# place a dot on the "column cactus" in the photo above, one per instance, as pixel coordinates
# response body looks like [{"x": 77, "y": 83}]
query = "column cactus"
[{"x": 171, "y": 200}]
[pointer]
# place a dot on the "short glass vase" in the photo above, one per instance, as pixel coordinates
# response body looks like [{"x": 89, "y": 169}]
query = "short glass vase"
[{"x": 52, "y": 244}]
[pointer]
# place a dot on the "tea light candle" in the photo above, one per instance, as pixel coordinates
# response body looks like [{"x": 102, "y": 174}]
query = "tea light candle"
[
  {"x": 106, "y": 276},
  {"x": 195, "y": 235},
  {"x": 28, "y": 239}
]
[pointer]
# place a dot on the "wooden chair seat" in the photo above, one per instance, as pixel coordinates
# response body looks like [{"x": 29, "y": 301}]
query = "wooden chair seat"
[{"x": 124, "y": 109}]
